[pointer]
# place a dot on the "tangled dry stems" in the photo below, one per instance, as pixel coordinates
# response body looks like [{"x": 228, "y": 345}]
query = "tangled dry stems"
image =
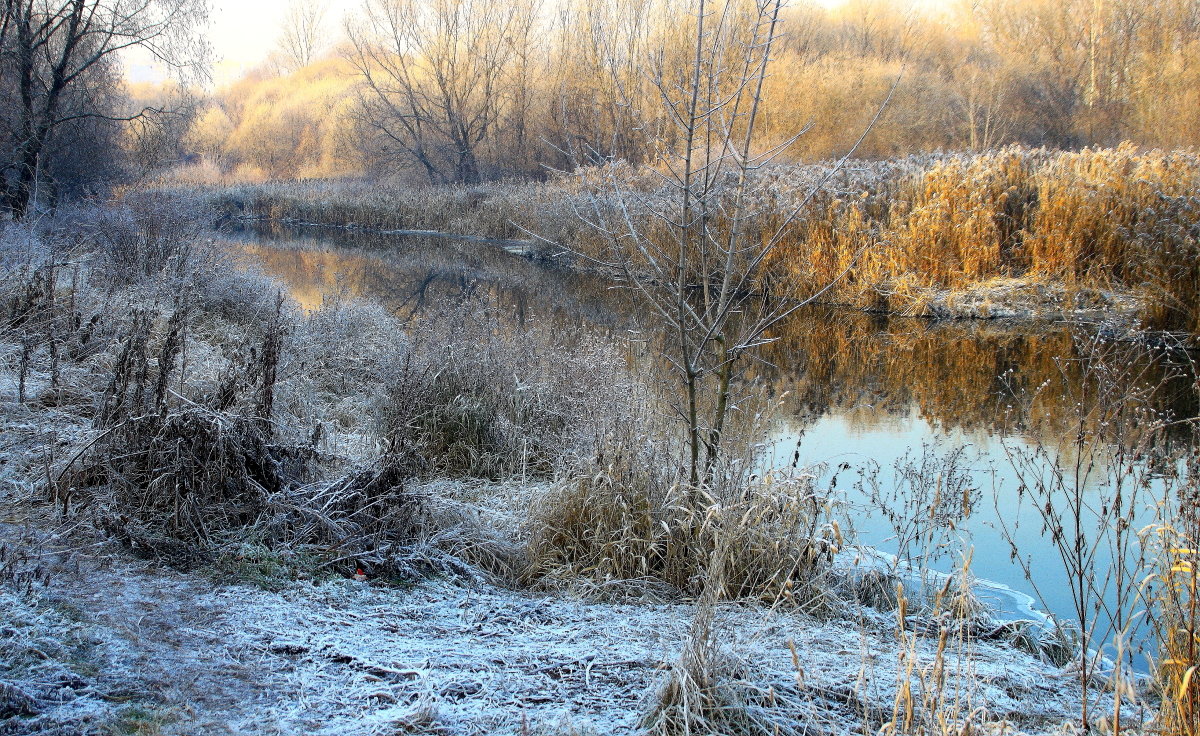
[
  {"x": 222, "y": 419},
  {"x": 638, "y": 522},
  {"x": 475, "y": 396}
]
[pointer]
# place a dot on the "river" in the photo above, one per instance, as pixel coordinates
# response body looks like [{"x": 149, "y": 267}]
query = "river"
[{"x": 958, "y": 419}]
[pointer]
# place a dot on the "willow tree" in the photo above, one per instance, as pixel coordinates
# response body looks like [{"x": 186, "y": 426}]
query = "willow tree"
[{"x": 57, "y": 59}]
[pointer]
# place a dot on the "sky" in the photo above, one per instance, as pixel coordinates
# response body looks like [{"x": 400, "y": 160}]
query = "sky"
[{"x": 242, "y": 33}]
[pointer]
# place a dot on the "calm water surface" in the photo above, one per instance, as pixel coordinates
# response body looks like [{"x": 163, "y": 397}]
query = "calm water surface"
[{"x": 860, "y": 397}]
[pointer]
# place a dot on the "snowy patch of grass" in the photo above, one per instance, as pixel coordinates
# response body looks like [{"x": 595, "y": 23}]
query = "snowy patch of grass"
[{"x": 50, "y": 660}]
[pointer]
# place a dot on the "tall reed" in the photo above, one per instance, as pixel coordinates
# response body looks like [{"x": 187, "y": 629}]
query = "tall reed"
[{"x": 889, "y": 235}]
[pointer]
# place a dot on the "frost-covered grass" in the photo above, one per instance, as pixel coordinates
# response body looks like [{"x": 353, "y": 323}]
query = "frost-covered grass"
[
  {"x": 909, "y": 233},
  {"x": 152, "y": 648},
  {"x": 50, "y": 662},
  {"x": 508, "y": 498}
]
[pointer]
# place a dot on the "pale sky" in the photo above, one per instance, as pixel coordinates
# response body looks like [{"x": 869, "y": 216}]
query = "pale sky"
[{"x": 242, "y": 33}]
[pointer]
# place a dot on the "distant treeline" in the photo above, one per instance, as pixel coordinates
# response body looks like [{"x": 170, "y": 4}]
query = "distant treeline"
[{"x": 459, "y": 91}]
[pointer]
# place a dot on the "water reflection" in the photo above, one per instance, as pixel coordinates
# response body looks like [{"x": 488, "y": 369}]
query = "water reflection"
[
  {"x": 408, "y": 273},
  {"x": 849, "y": 388},
  {"x": 981, "y": 378}
]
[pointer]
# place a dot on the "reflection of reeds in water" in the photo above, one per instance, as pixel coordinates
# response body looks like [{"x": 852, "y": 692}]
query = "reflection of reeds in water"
[
  {"x": 969, "y": 376},
  {"x": 308, "y": 275}
]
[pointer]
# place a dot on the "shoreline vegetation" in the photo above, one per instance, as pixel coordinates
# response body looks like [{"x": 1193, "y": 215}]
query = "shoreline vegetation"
[
  {"x": 227, "y": 509},
  {"x": 158, "y": 397},
  {"x": 1093, "y": 234},
  {"x": 1002, "y": 298}
]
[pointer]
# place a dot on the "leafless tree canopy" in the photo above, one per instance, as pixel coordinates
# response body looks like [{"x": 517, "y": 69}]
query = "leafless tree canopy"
[
  {"x": 58, "y": 61},
  {"x": 438, "y": 77},
  {"x": 445, "y": 88},
  {"x": 303, "y": 36}
]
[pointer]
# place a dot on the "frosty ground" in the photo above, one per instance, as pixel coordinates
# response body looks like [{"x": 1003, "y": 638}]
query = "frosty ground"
[
  {"x": 96, "y": 640},
  {"x": 193, "y": 469},
  {"x": 113, "y": 644}
]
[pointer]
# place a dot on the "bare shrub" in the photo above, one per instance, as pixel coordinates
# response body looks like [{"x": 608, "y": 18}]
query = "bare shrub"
[
  {"x": 148, "y": 236},
  {"x": 1111, "y": 473},
  {"x": 162, "y": 465},
  {"x": 925, "y": 502},
  {"x": 477, "y": 396}
]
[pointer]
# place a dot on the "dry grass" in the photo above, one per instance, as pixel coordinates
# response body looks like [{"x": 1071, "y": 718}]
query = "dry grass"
[
  {"x": 1175, "y": 611},
  {"x": 902, "y": 230},
  {"x": 632, "y": 521},
  {"x": 497, "y": 210},
  {"x": 709, "y": 690},
  {"x": 222, "y": 452},
  {"x": 930, "y": 695},
  {"x": 475, "y": 395},
  {"x": 1108, "y": 219},
  {"x": 211, "y": 416}
]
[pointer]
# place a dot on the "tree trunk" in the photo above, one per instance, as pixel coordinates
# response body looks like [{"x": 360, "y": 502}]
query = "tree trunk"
[
  {"x": 468, "y": 166},
  {"x": 20, "y": 193}
]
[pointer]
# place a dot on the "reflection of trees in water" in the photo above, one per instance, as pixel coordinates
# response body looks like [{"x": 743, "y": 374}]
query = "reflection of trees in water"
[
  {"x": 410, "y": 273},
  {"x": 967, "y": 375},
  {"x": 956, "y": 374}
]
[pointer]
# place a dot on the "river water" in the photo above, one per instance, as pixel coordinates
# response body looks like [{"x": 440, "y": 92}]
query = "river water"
[{"x": 874, "y": 404}]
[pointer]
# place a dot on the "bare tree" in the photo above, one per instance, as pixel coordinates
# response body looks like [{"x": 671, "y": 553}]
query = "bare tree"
[
  {"x": 982, "y": 104},
  {"x": 58, "y": 57},
  {"x": 157, "y": 141},
  {"x": 695, "y": 249},
  {"x": 303, "y": 35},
  {"x": 435, "y": 74},
  {"x": 598, "y": 77}
]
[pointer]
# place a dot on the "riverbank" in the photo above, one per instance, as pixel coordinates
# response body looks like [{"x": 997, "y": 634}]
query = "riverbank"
[
  {"x": 100, "y": 637},
  {"x": 1017, "y": 300},
  {"x": 105, "y": 637},
  {"x": 1096, "y": 234},
  {"x": 115, "y": 645},
  {"x": 350, "y": 523}
]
